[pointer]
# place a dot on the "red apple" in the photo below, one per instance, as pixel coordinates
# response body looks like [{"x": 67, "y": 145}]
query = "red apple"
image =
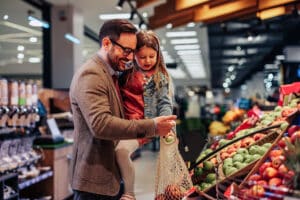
[
  {"x": 275, "y": 153},
  {"x": 276, "y": 162},
  {"x": 262, "y": 183},
  {"x": 257, "y": 190},
  {"x": 295, "y": 136},
  {"x": 275, "y": 181},
  {"x": 263, "y": 167},
  {"x": 282, "y": 170},
  {"x": 270, "y": 172},
  {"x": 283, "y": 141},
  {"x": 231, "y": 149},
  {"x": 258, "y": 136},
  {"x": 254, "y": 177},
  {"x": 230, "y": 135},
  {"x": 292, "y": 129}
]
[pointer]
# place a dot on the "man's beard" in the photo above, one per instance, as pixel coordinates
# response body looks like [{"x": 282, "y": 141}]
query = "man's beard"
[{"x": 113, "y": 61}]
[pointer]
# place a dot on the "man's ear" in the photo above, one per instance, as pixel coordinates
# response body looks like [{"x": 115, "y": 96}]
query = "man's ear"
[{"x": 106, "y": 43}]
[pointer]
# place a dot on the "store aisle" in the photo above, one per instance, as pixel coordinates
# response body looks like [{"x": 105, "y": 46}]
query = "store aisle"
[{"x": 145, "y": 167}]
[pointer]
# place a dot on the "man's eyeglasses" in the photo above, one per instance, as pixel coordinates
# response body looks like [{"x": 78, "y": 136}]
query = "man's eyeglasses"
[{"x": 126, "y": 51}]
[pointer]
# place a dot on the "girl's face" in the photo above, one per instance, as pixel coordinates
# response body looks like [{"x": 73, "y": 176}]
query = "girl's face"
[{"x": 146, "y": 58}]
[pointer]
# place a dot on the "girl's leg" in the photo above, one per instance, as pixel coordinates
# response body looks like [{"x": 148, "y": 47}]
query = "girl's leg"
[{"x": 123, "y": 152}]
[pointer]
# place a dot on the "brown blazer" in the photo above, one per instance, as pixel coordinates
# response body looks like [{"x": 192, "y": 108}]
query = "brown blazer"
[{"x": 98, "y": 125}]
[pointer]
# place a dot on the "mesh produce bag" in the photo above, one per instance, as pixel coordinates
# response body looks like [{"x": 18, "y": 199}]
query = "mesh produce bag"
[{"x": 172, "y": 176}]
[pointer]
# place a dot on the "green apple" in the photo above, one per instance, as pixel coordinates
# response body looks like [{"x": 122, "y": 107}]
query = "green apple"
[
  {"x": 198, "y": 171},
  {"x": 237, "y": 158},
  {"x": 207, "y": 165},
  {"x": 239, "y": 165},
  {"x": 210, "y": 177},
  {"x": 230, "y": 170},
  {"x": 242, "y": 151}
]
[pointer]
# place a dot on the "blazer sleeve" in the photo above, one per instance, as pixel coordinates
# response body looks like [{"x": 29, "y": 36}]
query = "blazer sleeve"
[{"x": 96, "y": 102}]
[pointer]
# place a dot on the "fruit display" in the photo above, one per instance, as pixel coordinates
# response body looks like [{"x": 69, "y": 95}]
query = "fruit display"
[{"x": 254, "y": 155}]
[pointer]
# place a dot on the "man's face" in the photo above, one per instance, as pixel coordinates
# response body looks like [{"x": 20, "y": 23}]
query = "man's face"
[{"x": 122, "y": 51}]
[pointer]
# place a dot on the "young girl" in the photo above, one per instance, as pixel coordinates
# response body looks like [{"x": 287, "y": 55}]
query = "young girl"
[{"x": 145, "y": 91}]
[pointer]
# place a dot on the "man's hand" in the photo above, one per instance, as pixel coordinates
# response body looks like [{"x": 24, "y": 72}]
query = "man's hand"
[{"x": 164, "y": 124}]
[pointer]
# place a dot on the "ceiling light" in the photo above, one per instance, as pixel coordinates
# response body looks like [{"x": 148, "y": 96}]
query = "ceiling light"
[
  {"x": 169, "y": 26},
  {"x": 191, "y": 25},
  {"x": 225, "y": 85},
  {"x": 187, "y": 47},
  {"x": 33, "y": 39},
  {"x": 72, "y": 38},
  {"x": 227, "y": 90},
  {"x": 184, "y": 41},
  {"x": 20, "y": 56},
  {"x": 181, "y": 34},
  {"x": 5, "y": 17},
  {"x": 35, "y": 22},
  {"x": 114, "y": 16},
  {"x": 280, "y": 57},
  {"x": 119, "y": 6},
  {"x": 20, "y": 48},
  {"x": 34, "y": 60},
  {"x": 189, "y": 52}
]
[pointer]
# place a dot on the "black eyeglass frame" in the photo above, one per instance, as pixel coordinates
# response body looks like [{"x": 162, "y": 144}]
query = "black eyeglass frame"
[{"x": 126, "y": 51}]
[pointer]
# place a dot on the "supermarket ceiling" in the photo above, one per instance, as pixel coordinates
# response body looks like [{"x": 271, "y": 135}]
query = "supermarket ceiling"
[{"x": 224, "y": 41}]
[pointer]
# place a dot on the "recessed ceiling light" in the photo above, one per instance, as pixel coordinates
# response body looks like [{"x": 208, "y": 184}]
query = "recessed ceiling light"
[
  {"x": 20, "y": 56},
  {"x": 184, "y": 41},
  {"x": 187, "y": 47},
  {"x": 114, "y": 16},
  {"x": 5, "y": 17},
  {"x": 20, "y": 48},
  {"x": 33, "y": 39},
  {"x": 181, "y": 34},
  {"x": 34, "y": 60}
]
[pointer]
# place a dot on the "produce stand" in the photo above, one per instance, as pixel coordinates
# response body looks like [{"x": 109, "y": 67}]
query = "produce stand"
[{"x": 225, "y": 171}]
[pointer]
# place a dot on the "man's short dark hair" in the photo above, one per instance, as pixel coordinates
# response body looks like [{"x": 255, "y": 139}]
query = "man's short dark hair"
[{"x": 114, "y": 28}]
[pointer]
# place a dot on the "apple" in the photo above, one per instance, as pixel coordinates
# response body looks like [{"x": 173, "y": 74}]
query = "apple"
[
  {"x": 257, "y": 190},
  {"x": 258, "y": 136},
  {"x": 269, "y": 173},
  {"x": 295, "y": 136},
  {"x": 276, "y": 162},
  {"x": 247, "y": 141},
  {"x": 230, "y": 135},
  {"x": 275, "y": 181},
  {"x": 254, "y": 177},
  {"x": 263, "y": 167},
  {"x": 224, "y": 155},
  {"x": 282, "y": 170},
  {"x": 292, "y": 129},
  {"x": 283, "y": 141},
  {"x": 262, "y": 183},
  {"x": 275, "y": 153},
  {"x": 231, "y": 149}
]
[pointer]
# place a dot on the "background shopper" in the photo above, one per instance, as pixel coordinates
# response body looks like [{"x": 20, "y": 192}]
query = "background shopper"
[{"x": 98, "y": 113}]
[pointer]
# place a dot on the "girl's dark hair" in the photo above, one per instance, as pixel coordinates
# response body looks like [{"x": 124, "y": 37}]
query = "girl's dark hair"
[
  {"x": 149, "y": 39},
  {"x": 114, "y": 28}
]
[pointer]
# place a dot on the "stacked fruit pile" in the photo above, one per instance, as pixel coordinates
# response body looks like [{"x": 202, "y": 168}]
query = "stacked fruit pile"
[
  {"x": 243, "y": 157},
  {"x": 204, "y": 175},
  {"x": 274, "y": 176}
]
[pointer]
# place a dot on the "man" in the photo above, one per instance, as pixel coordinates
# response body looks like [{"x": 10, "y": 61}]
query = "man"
[{"x": 98, "y": 115}]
